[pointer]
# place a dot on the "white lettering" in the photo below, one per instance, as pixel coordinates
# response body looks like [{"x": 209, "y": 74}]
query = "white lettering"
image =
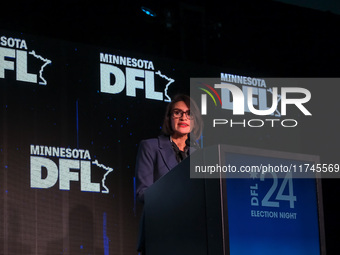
[
  {"x": 126, "y": 61},
  {"x": 256, "y": 82},
  {"x": 50, "y": 151},
  {"x": 37, "y": 166},
  {"x": 13, "y": 42},
  {"x": 5, "y": 64}
]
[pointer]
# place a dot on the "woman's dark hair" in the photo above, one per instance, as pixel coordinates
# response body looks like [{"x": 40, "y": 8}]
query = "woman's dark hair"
[{"x": 194, "y": 111}]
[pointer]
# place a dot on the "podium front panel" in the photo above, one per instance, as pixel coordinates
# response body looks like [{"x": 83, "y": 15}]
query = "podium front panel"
[{"x": 272, "y": 212}]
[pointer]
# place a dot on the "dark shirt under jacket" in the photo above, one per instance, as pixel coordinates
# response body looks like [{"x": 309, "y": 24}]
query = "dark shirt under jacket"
[
  {"x": 155, "y": 158},
  {"x": 180, "y": 155}
]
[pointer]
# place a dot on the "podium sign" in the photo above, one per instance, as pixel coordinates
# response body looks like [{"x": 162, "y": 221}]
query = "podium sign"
[{"x": 271, "y": 212}]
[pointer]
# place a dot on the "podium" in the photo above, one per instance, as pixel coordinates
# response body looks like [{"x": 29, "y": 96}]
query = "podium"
[
  {"x": 182, "y": 215},
  {"x": 213, "y": 216}
]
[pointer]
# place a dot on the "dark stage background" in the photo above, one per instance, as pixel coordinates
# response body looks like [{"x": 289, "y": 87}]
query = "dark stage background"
[{"x": 186, "y": 39}]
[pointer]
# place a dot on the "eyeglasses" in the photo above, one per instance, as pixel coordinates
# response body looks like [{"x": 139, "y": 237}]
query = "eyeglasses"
[{"x": 176, "y": 114}]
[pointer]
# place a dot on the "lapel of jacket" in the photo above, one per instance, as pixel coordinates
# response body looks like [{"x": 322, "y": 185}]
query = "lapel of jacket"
[{"x": 167, "y": 152}]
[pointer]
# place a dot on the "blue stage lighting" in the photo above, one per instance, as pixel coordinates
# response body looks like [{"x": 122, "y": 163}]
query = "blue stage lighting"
[{"x": 148, "y": 12}]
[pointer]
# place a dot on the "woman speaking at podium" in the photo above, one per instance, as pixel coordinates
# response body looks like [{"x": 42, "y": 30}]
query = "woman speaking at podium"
[{"x": 182, "y": 126}]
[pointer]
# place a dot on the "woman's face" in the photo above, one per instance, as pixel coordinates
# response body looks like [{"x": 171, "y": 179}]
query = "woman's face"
[{"x": 180, "y": 122}]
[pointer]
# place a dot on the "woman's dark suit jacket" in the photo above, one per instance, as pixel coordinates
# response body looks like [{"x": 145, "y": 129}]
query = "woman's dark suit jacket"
[{"x": 155, "y": 158}]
